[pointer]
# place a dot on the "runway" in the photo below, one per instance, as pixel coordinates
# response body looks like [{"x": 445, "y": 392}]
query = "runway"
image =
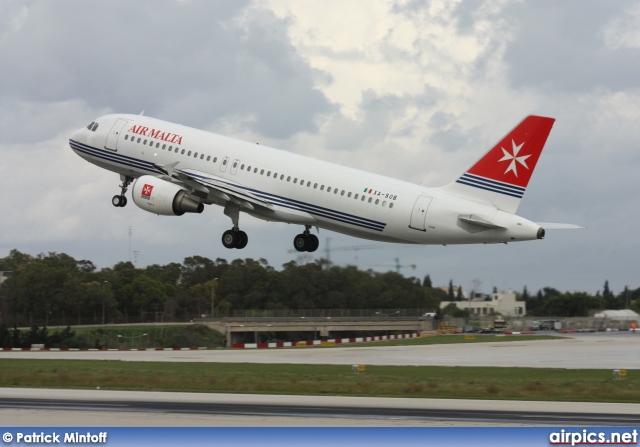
[
  {"x": 584, "y": 351},
  {"x": 30, "y": 407},
  {"x": 21, "y": 407}
]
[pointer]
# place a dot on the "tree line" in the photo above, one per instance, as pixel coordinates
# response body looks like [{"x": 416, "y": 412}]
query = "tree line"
[{"x": 55, "y": 288}]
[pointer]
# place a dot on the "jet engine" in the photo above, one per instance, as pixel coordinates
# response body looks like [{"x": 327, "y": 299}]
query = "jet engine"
[{"x": 161, "y": 197}]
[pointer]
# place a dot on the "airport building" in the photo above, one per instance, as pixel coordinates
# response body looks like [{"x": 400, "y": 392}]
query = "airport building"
[
  {"x": 503, "y": 303},
  {"x": 4, "y": 276}
]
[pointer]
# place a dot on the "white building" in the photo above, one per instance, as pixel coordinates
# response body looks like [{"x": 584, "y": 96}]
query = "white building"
[
  {"x": 503, "y": 303},
  {"x": 4, "y": 276}
]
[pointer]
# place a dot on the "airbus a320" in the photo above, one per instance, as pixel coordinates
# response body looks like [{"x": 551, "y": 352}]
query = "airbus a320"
[{"x": 174, "y": 169}]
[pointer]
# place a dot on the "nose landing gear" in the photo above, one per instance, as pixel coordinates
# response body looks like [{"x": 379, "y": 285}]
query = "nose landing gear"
[{"x": 121, "y": 200}]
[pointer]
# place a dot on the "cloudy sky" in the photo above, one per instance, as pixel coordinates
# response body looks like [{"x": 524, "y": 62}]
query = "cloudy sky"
[{"x": 415, "y": 90}]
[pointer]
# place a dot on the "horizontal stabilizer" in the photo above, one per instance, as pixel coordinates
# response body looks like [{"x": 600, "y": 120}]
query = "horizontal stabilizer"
[
  {"x": 476, "y": 224},
  {"x": 479, "y": 221},
  {"x": 559, "y": 226}
]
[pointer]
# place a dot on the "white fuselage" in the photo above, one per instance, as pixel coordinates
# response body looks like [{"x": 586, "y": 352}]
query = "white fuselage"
[{"x": 302, "y": 190}]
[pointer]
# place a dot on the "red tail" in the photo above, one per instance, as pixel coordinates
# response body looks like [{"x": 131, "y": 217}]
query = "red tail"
[
  {"x": 501, "y": 176},
  {"x": 514, "y": 158}
]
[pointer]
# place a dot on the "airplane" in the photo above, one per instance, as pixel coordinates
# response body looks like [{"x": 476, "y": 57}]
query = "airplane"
[{"x": 174, "y": 169}]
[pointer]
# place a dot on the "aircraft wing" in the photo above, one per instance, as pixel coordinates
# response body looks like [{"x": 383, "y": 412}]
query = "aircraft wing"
[{"x": 216, "y": 186}]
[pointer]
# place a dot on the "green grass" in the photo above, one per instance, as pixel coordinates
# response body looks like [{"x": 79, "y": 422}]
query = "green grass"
[{"x": 385, "y": 381}]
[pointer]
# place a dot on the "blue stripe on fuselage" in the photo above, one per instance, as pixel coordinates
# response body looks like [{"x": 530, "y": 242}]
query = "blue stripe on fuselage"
[{"x": 114, "y": 157}]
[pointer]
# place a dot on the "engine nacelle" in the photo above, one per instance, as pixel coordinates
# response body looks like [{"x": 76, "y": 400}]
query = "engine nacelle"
[{"x": 161, "y": 197}]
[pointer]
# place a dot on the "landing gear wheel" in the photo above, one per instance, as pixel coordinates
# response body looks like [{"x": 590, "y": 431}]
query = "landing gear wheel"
[
  {"x": 230, "y": 239},
  {"x": 243, "y": 239},
  {"x": 314, "y": 243},
  {"x": 119, "y": 201},
  {"x": 301, "y": 242}
]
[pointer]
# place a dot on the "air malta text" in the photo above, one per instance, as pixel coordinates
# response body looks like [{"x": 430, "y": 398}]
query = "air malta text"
[{"x": 158, "y": 134}]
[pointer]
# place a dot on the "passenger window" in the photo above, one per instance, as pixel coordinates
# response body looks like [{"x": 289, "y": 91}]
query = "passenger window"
[
  {"x": 188, "y": 153},
  {"x": 309, "y": 184},
  {"x": 275, "y": 175},
  {"x": 139, "y": 140},
  {"x": 377, "y": 201},
  {"x": 289, "y": 178},
  {"x": 348, "y": 194},
  {"x": 224, "y": 163},
  {"x": 384, "y": 203},
  {"x": 242, "y": 167},
  {"x": 208, "y": 157},
  {"x": 235, "y": 163},
  {"x": 268, "y": 173},
  {"x": 183, "y": 150},
  {"x": 391, "y": 205},
  {"x": 356, "y": 197},
  {"x": 363, "y": 197},
  {"x": 261, "y": 171},
  {"x": 164, "y": 146},
  {"x": 315, "y": 185},
  {"x": 145, "y": 142},
  {"x": 255, "y": 170},
  {"x": 342, "y": 193},
  {"x": 126, "y": 137},
  {"x": 157, "y": 145},
  {"x": 328, "y": 188},
  {"x": 201, "y": 156},
  {"x": 322, "y": 188},
  {"x": 215, "y": 159},
  {"x": 335, "y": 191},
  {"x": 195, "y": 155},
  {"x": 370, "y": 199}
]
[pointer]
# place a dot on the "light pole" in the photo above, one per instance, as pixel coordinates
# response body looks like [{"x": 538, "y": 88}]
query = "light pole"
[
  {"x": 103, "y": 299},
  {"x": 213, "y": 296}
]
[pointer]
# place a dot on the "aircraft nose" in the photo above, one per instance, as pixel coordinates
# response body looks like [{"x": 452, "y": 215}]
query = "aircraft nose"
[{"x": 78, "y": 136}]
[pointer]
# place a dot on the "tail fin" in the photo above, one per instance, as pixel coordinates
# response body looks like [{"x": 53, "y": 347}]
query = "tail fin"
[{"x": 501, "y": 176}]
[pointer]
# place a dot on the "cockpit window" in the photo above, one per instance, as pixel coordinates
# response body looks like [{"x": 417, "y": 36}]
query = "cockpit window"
[
  {"x": 91, "y": 125},
  {"x": 95, "y": 126}
]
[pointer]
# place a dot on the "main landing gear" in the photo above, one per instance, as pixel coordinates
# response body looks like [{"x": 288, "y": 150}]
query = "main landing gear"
[
  {"x": 121, "y": 200},
  {"x": 234, "y": 238},
  {"x": 306, "y": 241}
]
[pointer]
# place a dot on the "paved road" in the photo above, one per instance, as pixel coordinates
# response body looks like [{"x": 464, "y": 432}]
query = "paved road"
[{"x": 29, "y": 407}]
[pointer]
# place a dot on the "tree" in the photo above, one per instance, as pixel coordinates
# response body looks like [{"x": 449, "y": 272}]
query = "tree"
[
  {"x": 450, "y": 296},
  {"x": 426, "y": 282}
]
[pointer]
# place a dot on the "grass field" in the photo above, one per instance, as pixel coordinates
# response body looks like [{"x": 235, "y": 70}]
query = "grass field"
[{"x": 385, "y": 381}]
